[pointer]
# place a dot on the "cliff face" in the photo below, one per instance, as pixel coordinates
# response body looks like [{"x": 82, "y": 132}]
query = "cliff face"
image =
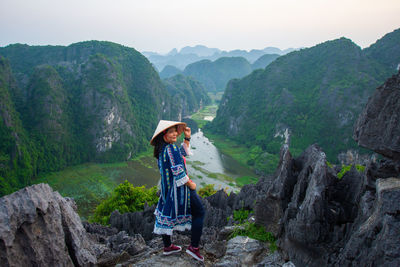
[
  {"x": 377, "y": 127},
  {"x": 307, "y": 93},
  {"x": 189, "y": 94},
  {"x": 386, "y": 50},
  {"x": 214, "y": 75},
  {"x": 90, "y": 101},
  {"x": 15, "y": 148},
  {"x": 38, "y": 227}
]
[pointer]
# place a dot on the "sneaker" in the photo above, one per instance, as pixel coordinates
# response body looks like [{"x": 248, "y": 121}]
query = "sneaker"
[
  {"x": 195, "y": 253},
  {"x": 172, "y": 249}
]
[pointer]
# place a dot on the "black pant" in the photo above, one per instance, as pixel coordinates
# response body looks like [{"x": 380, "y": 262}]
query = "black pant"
[{"x": 197, "y": 221}]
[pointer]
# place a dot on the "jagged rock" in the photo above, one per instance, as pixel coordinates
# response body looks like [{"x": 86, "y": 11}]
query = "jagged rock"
[
  {"x": 272, "y": 260},
  {"x": 242, "y": 251},
  {"x": 99, "y": 232},
  {"x": 217, "y": 212},
  {"x": 141, "y": 222},
  {"x": 225, "y": 232},
  {"x": 38, "y": 227},
  {"x": 378, "y": 126},
  {"x": 305, "y": 222},
  {"x": 217, "y": 248},
  {"x": 214, "y": 216},
  {"x": 159, "y": 260},
  {"x": 278, "y": 194},
  {"x": 377, "y": 240},
  {"x": 245, "y": 199},
  {"x": 123, "y": 242}
]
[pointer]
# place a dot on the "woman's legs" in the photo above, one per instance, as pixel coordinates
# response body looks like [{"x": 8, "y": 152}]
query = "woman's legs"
[
  {"x": 197, "y": 218},
  {"x": 166, "y": 240}
]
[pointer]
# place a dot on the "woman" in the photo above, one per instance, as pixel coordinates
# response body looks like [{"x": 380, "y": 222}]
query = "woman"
[{"x": 179, "y": 206}]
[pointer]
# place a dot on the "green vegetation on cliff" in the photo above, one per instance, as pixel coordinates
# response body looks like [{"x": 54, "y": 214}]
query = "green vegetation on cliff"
[
  {"x": 314, "y": 95},
  {"x": 17, "y": 155},
  {"x": 90, "y": 101},
  {"x": 188, "y": 93},
  {"x": 214, "y": 75}
]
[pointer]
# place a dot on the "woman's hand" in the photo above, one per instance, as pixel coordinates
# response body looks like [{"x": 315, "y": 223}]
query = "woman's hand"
[
  {"x": 187, "y": 131},
  {"x": 191, "y": 184}
]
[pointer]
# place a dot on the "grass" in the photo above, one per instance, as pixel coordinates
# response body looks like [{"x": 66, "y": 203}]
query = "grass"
[
  {"x": 252, "y": 230},
  {"x": 231, "y": 148},
  {"x": 90, "y": 183},
  {"x": 86, "y": 183},
  {"x": 210, "y": 110},
  {"x": 199, "y": 116},
  {"x": 241, "y": 181}
]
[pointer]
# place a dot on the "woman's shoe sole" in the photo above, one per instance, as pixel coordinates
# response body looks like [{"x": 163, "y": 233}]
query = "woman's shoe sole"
[
  {"x": 194, "y": 255},
  {"x": 172, "y": 252}
]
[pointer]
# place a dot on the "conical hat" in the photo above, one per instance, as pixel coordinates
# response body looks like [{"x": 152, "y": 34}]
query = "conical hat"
[{"x": 164, "y": 125}]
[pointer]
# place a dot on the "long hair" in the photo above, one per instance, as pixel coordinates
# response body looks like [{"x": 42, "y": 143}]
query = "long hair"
[{"x": 158, "y": 145}]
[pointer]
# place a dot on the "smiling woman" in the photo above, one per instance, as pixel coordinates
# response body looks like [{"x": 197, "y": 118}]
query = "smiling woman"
[{"x": 179, "y": 207}]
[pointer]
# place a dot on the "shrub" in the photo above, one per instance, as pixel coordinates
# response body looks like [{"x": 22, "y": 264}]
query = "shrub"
[
  {"x": 346, "y": 168},
  {"x": 125, "y": 198},
  {"x": 257, "y": 232},
  {"x": 241, "y": 215},
  {"x": 207, "y": 191}
]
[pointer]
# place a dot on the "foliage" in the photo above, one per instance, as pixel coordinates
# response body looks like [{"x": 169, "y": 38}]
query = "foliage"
[
  {"x": 215, "y": 75},
  {"x": 207, "y": 191},
  {"x": 255, "y": 231},
  {"x": 315, "y": 93},
  {"x": 360, "y": 168},
  {"x": 59, "y": 102},
  {"x": 241, "y": 181},
  {"x": 125, "y": 198},
  {"x": 188, "y": 91},
  {"x": 346, "y": 168},
  {"x": 241, "y": 215}
]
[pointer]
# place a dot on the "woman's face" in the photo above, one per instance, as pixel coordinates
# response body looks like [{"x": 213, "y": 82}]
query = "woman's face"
[{"x": 171, "y": 135}]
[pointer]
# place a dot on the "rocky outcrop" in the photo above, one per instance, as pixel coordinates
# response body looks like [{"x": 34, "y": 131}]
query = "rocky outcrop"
[
  {"x": 377, "y": 240},
  {"x": 242, "y": 251},
  {"x": 135, "y": 222},
  {"x": 321, "y": 220},
  {"x": 277, "y": 195},
  {"x": 378, "y": 126},
  {"x": 38, "y": 227}
]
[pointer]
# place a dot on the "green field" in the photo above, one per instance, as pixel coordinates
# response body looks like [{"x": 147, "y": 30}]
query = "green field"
[
  {"x": 90, "y": 183},
  {"x": 207, "y": 111}
]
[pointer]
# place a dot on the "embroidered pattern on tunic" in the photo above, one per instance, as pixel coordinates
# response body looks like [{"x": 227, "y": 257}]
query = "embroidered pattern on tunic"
[{"x": 173, "y": 209}]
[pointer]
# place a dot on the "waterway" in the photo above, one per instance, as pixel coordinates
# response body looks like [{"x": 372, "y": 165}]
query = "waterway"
[{"x": 206, "y": 166}]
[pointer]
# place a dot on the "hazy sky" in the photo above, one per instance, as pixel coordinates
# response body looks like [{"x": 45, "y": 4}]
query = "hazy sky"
[{"x": 160, "y": 25}]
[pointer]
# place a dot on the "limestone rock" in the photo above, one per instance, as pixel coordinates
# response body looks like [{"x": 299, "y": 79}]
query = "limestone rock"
[
  {"x": 377, "y": 240},
  {"x": 272, "y": 260},
  {"x": 378, "y": 126},
  {"x": 38, "y": 227},
  {"x": 242, "y": 251},
  {"x": 216, "y": 248},
  {"x": 278, "y": 194},
  {"x": 135, "y": 222}
]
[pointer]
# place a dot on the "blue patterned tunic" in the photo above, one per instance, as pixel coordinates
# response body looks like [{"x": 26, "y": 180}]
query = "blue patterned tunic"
[{"x": 173, "y": 209}]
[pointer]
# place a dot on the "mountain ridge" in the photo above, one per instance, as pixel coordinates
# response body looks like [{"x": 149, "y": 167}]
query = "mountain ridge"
[
  {"x": 90, "y": 101},
  {"x": 314, "y": 93}
]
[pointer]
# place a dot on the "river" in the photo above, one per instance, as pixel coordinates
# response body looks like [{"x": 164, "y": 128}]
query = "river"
[{"x": 208, "y": 165}]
